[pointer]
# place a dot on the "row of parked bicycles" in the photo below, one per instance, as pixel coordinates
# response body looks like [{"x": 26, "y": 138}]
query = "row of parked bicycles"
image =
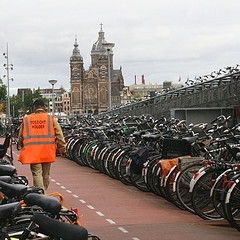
[
  {"x": 195, "y": 167},
  {"x": 26, "y": 213}
]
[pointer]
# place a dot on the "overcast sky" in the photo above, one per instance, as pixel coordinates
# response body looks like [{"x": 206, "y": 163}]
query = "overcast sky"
[{"x": 161, "y": 39}]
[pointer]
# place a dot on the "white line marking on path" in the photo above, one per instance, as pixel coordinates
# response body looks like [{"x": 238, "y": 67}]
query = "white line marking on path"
[
  {"x": 100, "y": 214},
  {"x": 89, "y": 206},
  {"x": 110, "y": 221},
  {"x": 123, "y": 230}
]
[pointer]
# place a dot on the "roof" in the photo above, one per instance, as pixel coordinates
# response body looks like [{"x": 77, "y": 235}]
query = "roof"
[
  {"x": 98, "y": 47},
  {"x": 76, "y": 51}
]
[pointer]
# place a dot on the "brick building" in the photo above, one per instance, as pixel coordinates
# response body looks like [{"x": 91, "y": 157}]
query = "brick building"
[{"x": 89, "y": 88}]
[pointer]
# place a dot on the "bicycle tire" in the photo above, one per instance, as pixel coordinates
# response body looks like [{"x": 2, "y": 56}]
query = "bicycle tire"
[
  {"x": 123, "y": 169},
  {"x": 110, "y": 162},
  {"x": 168, "y": 186},
  {"x": 182, "y": 186},
  {"x": 149, "y": 173},
  {"x": 138, "y": 180},
  {"x": 232, "y": 205},
  {"x": 201, "y": 200},
  {"x": 218, "y": 188},
  {"x": 75, "y": 150}
]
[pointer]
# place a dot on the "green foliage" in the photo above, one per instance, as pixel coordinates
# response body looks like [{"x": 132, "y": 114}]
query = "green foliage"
[
  {"x": 25, "y": 107},
  {"x": 16, "y": 105},
  {"x": 3, "y": 93}
]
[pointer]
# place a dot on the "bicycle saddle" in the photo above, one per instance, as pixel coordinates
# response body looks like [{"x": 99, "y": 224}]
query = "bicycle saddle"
[
  {"x": 12, "y": 190},
  {"x": 7, "y": 170},
  {"x": 6, "y": 179},
  {"x": 47, "y": 203},
  {"x": 10, "y": 209},
  {"x": 63, "y": 230}
]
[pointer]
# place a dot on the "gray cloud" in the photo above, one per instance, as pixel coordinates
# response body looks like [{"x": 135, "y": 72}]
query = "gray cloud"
[{"x": 160, "y": 39}]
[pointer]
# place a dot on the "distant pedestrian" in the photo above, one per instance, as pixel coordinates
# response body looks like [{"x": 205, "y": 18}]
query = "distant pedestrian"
[{"x": 37, "y": 137}]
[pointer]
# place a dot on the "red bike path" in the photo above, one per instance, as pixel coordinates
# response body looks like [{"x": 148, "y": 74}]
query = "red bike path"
[{"x": 114, "y": 211}]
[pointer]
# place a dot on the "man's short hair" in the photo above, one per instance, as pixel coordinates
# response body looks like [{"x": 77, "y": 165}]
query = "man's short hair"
[{"x": 39, "y": 103}]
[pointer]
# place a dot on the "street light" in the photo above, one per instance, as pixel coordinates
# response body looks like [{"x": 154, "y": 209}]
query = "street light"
[
  {"x": 52, "y": 82},
  {"x": 108, "y": 47},
  {"x": 8, "y": 67}
]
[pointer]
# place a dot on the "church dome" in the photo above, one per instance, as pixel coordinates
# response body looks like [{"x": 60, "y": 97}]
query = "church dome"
[{"x": 98, "y": 47}]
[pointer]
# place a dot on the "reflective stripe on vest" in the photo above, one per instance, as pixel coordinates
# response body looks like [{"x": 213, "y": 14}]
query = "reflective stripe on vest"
[{"x": 38, "y": 136}]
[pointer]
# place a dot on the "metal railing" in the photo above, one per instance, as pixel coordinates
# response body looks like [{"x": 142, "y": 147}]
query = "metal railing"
[{"x": 221, "y": 91}]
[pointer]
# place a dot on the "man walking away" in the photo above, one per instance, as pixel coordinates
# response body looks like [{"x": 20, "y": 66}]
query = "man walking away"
[{"x": 37, "y": 137}]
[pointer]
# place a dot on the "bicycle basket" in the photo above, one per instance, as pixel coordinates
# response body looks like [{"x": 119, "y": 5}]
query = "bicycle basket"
[{"x": 175, "y": 148}]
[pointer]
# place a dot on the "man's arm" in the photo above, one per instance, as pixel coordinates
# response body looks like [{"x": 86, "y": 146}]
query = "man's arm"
[
  {"x": 60, "y": 138},
  {"x": 20, "y": 135}
]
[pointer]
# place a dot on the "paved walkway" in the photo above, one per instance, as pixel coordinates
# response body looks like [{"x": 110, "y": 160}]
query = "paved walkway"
[{"x": 115, "y": 211}]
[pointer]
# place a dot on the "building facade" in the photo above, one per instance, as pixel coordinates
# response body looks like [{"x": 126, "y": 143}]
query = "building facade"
[
  {"x": 89, "y": 88},
  {"x": 61, "y": 100},
  {"x": 145, "y": 91}
]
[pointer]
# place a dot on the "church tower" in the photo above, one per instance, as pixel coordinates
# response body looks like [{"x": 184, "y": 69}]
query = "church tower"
[
  {"x": 99, "y": 60},
  {"x": 89, "y": 88},
  {"x": 99, "y": 53},
  {"x": 76, "y": 79}
]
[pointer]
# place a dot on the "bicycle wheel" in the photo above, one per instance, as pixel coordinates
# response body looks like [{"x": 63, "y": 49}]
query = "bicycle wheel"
[
  {"x": 68, "y": 147},
  {"x": 201, "y": 200},
  {"x": 75, "y": 152},
  {"x": 218, "y": 189},
  {"x": 123, "y": 169},
  {"x": 88, "y": 154},
  {"x": 182, "y": 186},
  {"x": 110, "y": 162},
  {"x": 137, "y": 180},
  {"x": 116, "y": 158},
  {"x": 107, "y": 158},
  {"x": 149, "y": 170},
  {"x": 157, "y": 174},
  {"x": 232, "y": 205},
  {"x": 168, "y": 186},
  {"x": 101, "y": 158}
]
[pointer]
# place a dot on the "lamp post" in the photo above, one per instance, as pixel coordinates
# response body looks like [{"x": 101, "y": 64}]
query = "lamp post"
[
  {"x": 52, "y": 82},
  {"x": 8, "y": 67},
  {"x": 108, "y": 47}
]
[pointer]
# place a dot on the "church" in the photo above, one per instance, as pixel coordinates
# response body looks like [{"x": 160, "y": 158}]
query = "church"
[{"x": 89, "y": 88}]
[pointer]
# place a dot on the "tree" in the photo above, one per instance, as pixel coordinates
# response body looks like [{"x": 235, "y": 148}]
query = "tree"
[
  {"x": 16, "y": 105},
  {"x": 27, "y": 106},
  {"x": 30, "y": 97},
  {"x": 3, "y": 95}
]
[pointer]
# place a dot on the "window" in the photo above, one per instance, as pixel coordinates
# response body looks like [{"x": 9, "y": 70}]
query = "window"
[{"x": 103, "y": 70}]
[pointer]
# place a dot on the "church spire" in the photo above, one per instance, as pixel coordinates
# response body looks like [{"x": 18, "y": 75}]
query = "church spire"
[{"x": 76, "y": 51}]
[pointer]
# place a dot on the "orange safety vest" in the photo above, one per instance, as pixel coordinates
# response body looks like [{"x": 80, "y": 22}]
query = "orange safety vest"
[{"x": 39, "y": 143}]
